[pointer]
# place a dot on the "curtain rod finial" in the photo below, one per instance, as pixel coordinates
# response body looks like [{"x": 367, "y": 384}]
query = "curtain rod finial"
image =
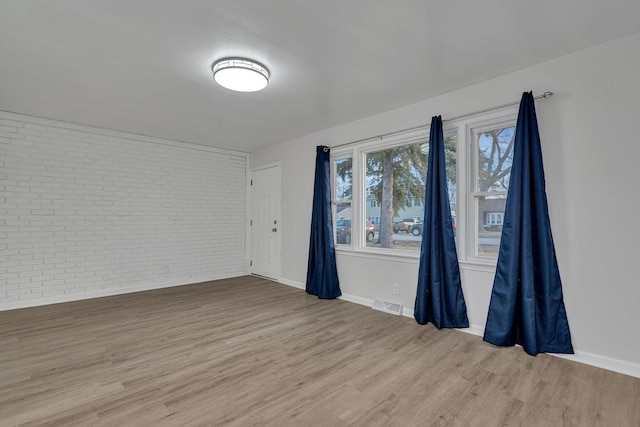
[{"x": 547, "y": 94}]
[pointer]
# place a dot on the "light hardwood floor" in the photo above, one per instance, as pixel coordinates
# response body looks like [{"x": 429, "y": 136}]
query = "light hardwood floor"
[{"x": 248, "y": 351}]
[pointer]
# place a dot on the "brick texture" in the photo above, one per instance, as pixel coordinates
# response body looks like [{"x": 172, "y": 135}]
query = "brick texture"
[{"x": 87, "y": 212}]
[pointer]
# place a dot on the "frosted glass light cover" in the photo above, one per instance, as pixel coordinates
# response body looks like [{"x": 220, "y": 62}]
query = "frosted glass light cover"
[{"x": 241, "y": 75}]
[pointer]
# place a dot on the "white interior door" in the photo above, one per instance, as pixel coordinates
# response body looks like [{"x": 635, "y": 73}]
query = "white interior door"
[{"x": 265, "y": 222}]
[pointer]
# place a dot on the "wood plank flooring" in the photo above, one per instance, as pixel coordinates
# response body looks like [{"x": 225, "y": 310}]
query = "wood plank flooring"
[{"x": 247, "y": 351}]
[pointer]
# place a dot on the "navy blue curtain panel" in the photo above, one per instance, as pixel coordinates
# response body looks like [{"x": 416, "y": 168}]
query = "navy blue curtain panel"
[
  {"x": 322, "y": 275},
  {"x": 439, "y": 297},
  {"x": 527, "y": 306}
]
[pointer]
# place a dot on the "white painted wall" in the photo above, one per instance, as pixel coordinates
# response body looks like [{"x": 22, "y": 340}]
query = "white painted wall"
[
  {"x": 589, "y": 139},
  {"x": 88, "y": 212}
]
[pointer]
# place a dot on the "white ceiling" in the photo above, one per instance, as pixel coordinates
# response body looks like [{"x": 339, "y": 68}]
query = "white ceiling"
[{"x": 143, "y": 66}]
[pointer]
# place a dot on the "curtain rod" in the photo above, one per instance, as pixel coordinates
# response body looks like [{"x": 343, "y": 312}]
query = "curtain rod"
[{"x": 473, "y": 113}]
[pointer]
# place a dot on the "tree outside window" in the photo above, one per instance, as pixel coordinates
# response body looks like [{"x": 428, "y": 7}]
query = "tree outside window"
[
  {"x": 395, "y": 177},
  {"x": 343, "y": 192},
  {"x": 494, "y": 148}
]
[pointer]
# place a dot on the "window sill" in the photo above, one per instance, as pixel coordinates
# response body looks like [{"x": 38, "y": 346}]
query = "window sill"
[
  {"x": 400, "y": 256},
  {"x": 483, "y": 266},
  {"x": 411, "y": 258}
]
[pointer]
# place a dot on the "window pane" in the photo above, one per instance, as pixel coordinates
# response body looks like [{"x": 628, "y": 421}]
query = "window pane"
[
  {"x": 495, "y": 155},
  {"x": 394, "y": 192},
  {"x": 343, "y": 179},
  {"x": 490, "y": 215},
  {"x": 343, "y": 223},
  {"x": 451, "y": 160},
  {"x": 343, "y": 194}
]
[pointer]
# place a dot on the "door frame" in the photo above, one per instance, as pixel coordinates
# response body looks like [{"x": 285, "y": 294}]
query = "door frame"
[{"x": 249, "y": 243}]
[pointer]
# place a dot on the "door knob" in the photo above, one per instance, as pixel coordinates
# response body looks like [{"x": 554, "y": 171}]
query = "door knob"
[{"x": 274, "y": 229}]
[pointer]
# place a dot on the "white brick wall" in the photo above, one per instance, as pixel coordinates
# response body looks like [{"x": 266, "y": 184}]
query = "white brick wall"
[{"x": 87, "y": 212}]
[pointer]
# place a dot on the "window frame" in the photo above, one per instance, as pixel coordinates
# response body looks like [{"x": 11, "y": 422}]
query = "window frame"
[
  {"x": 392, "y": 142},
  {"x": 358, "y": 153},
  {"x": 466, "y": 178},
  {"x": 494, "y": 218},
  {"x": 499, "y": 119}
]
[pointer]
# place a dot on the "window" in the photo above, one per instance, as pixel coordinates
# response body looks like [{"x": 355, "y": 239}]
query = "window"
[
  {"x": 343, "y": 191},
  {"x": 391, "y": 187},
  {"x": 493, "y": 219},
  {"x": 493, "y": 149},
  {"x": 380, "y": 188},
  {"x": 395, "y": 176}
]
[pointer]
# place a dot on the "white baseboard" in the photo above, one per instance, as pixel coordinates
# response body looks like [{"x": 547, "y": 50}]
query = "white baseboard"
[
  {"x": 473, "y": 330},
  {"x": 588, "y": 358},
  {"x": 110, "y": 292},
  {"x": 356, "y": 299},
  {"x": 592, "y": 359},
  {"x": 346, "y": 297},
  {"x": 291, "y": 283},
  {"x": 604, "y": 362}
]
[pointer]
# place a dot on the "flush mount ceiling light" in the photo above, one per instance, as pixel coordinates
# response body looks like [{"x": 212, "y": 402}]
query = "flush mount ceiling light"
[{"x": 240, "y": 74}]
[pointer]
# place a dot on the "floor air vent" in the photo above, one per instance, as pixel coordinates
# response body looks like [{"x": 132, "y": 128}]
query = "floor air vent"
[{"x": 387, "y": 307}]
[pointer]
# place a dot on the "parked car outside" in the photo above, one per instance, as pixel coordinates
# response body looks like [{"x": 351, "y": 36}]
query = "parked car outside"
[
  {"x": 343, "y": 231},
  {"x": 369, "y": 230},
  {"x": 453, "y": 222},
  {"x": 406, "y": 224},
  {"x": 418, "y": 229}
]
